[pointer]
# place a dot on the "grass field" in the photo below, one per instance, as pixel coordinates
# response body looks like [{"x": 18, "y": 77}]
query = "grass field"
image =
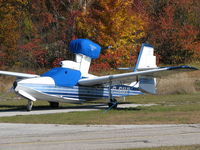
[{"x": 178, "y": 109}]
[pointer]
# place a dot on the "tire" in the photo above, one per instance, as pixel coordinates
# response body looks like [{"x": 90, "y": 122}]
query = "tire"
[{"x": 113, "y": 103}]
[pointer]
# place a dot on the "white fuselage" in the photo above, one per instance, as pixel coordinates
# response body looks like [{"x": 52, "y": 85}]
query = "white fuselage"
[{"x": 44, "y": 88}]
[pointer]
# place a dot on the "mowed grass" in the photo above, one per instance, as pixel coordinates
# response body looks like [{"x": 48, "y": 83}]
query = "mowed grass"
[
  {"x": 170, "y": 109},
  {"x": 189, "y": 147}
]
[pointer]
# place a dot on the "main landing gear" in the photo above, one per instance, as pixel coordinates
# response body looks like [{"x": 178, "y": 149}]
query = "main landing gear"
[{"x": 112, "y": 104}]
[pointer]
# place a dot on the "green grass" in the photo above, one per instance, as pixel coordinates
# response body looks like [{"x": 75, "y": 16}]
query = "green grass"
[
  {"x": 11, "y": 101},
  {"x": 113, "y": 117},
  {"x": 190, "y": 147},
  {"x": 171, "y": 109}
]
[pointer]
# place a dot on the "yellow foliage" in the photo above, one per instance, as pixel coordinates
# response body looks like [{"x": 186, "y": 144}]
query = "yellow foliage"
[
  {"x": 112, "y": 22},
  {"x": 11, "y": 16}
]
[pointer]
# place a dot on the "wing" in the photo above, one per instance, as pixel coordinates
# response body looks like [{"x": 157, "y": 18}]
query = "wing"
[
  {"x": 133, "y": 75},
  {"x": 18, "y": 75}
]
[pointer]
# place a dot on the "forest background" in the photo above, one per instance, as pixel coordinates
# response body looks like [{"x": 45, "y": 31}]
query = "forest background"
[{"x": 35, "y": 34}]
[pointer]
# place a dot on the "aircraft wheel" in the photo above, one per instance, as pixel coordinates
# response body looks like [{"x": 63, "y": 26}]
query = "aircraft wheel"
[
  {"x": 54, "y": 104},
  {"x": 113, "y": 103},
  {"x": 29, "y": 105}
]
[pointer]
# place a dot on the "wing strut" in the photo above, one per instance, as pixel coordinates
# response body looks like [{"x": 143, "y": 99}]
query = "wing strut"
[{"x": 110, "y": 92}]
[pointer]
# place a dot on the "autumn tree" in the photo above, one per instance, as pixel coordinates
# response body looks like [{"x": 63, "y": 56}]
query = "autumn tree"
[
  {"x": 54, "y": 24},
  {"x": 37, "y": 33},
  {"x": 47, "y": 29},
  {"x": 12, "y": 14},
  {"x": 112, "y": 22},
  {"x": 171, "y": 31}
]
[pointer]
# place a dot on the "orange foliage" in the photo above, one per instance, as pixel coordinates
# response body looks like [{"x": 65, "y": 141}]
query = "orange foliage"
[
  {"x": 11, "y": 16},
  {"x": 173, "y": 36},
  {"x": 113, "y": 22},
  {"x": 32, "y": 52},
  {"x": 172, "y": 26}
]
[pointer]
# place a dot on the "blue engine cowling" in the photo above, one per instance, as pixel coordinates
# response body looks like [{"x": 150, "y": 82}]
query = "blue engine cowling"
[{"x": 85, "y": 47}]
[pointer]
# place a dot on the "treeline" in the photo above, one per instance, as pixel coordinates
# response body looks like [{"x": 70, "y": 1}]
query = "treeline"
[{"x": 36, "y": 33}]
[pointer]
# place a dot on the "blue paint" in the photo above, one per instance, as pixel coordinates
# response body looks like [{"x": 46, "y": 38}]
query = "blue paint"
[
  {"x": 63, "y": 76},
  {"x": 182, "y": 67},
  {"x": 85, "y": 47}
]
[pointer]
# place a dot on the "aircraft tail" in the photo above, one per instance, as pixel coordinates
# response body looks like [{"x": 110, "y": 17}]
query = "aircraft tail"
[{"x": 146, "y": 61}]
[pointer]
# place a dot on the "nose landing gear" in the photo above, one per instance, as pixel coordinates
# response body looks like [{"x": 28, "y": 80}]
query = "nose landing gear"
[{"x": 29, "y": 105}]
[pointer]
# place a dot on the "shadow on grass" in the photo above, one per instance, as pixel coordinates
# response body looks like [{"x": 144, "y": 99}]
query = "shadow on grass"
[
  {"x": 131, "y": 109},
  {"x": 12, "y": 108},
  {"x": 7, "y": 108}
]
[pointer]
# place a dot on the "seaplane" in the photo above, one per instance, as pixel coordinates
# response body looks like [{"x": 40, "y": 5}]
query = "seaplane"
[{"x": 72, "y": 82}]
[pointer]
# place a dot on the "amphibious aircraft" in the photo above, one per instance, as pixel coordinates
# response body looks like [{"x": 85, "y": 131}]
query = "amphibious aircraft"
[{"x": 72, "y": 83}]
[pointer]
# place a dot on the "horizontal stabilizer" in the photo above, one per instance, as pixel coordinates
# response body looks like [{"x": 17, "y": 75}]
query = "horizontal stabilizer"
[{"x": 126, "y": 68}]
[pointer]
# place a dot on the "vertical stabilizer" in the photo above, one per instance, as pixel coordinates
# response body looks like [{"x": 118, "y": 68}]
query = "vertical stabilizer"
[{"x": 146, "y": 59}]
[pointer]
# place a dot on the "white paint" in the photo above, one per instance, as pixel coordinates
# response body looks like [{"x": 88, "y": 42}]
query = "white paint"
[
  {"x": 146, "y": 59},
  {"x": 82, "y": 64},
  {"x": 27, "y": 95},
  {"x": 40, "y": 80},
  {"x": 70, "y": 64}
]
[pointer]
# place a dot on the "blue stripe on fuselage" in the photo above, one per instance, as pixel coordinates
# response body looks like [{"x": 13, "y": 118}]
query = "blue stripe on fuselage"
[{"x": 82, "y": 92}]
